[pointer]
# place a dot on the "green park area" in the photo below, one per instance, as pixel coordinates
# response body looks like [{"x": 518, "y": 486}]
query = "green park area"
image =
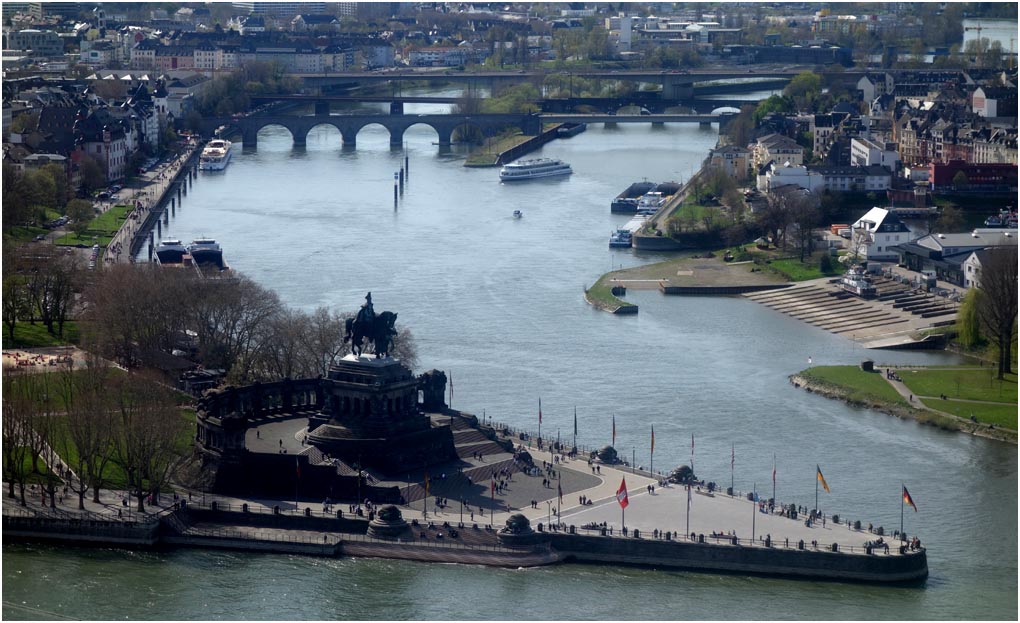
[
  {"x": 858, "y": 384},
  {"x": 36, "y": 336},
  {"x": 601, "y": 294},
  {"x": 969, "y": 391},
  {"x": 100, "y": 230}
]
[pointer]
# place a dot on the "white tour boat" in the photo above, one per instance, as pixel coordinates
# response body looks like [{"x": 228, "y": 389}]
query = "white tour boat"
[
  {"x": 531, "y": 169},
  {"x": 215, "y": 156}
]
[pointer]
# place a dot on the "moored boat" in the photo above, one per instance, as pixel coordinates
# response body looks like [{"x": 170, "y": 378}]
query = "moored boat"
[
  {"x": 215, "y": 156},
  {"x": 621, "y": 238},
  {"x": 856, "y": 282},
  {"x": 206, "y": 251},
  {"x": 170, "y": 251}
]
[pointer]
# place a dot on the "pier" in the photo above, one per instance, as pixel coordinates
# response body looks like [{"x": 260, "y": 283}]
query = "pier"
[{"x": 577, "y": 519}]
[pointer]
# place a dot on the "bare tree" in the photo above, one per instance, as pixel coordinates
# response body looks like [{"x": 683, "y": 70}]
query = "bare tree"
[
  {"x": 997, "y": 306},
  {"x": 148, "y": 424},
  {"x": 89, "y": 438},
  {"x": 231, "y": 319},
  {"x": 19, "y": 414},
  {"x": 804, "y": 214}
]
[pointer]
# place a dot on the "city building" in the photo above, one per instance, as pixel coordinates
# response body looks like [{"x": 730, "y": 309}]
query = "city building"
[{"x": 874, "y": 235}]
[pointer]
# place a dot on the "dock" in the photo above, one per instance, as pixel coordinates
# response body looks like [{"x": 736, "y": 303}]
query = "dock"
[
  {"x": 576, "y": 520},
  {"x": 890, "y": 320}
]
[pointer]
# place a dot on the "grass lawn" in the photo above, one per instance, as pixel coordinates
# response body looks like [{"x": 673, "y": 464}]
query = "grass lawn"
[
  {"x": 26, "y": 233},
  {"x": 856, "y": 382},
  {"x": 601, "y": 293},
  {"x": 35, "y": 335},
  {"x": 967, "y": 384},
  {"x": 40, "y": 477},
  {"x": 114, "y": 475},
  {"x": 485, "y": 155},
  {"x": 794, "y": 270},
  {"x": 1003, "y": 415},
  {"x": 103, "y": 227}
]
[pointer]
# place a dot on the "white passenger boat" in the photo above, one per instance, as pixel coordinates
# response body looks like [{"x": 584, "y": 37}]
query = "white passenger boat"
[
  {"x": 215, "y": 156},
  {"x": 531, "y": 169}
]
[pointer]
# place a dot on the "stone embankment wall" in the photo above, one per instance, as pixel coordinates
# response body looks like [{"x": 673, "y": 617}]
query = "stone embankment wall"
[{"x": 810, "y": 564}]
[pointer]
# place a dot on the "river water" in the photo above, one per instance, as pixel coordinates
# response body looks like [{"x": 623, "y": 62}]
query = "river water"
[{"x": 497, "y": 303}]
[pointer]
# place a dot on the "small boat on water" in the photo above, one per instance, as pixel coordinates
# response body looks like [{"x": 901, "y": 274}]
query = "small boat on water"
[
  {"x": 620, "y": 239},
  {"x": 570, "y": 129},
  {"x": 856, "y": 282},
  {"x": 532, "y": 169},
  {"x": 518, "y": 214}
]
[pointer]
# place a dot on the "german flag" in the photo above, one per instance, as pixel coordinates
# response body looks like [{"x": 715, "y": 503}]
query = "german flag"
[
  {"x": 909, "y": 500},
  {"x": 821, "y": 479}
]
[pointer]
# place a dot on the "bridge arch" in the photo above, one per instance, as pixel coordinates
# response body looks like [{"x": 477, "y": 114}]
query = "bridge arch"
[
  {"x": 250, "y": 133},
  {"x": 324, "y": 127}
]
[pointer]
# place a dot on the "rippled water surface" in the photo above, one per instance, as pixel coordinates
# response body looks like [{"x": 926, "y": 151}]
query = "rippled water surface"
[{"x": 497, "y": 303}]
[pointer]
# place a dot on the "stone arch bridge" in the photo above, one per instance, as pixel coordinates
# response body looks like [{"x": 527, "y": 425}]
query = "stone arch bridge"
[{"x": 350, "y": 125}]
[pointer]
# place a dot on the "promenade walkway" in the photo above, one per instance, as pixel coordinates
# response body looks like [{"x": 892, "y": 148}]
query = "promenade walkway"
[{"x": 146, "y": 192}]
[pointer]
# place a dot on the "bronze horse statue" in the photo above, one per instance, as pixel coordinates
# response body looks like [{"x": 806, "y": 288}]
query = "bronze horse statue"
[{"x": 376, "y": 328}]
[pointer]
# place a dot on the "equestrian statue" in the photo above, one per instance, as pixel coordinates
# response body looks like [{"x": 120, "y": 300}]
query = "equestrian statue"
[{"x": 376, "y": 328}]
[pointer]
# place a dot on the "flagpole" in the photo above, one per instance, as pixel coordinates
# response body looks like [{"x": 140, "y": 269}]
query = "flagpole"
[
  {"x": 754, "y": 510},
  {"x": 902, "y": 489},
  {"x": 539, "y": 417},
  {"x": 633, "y": 461},
  {"x": 733, "y": 457},
  {"x": 773, "y": 477},
  {"x": 575, "y": 428},
  {"x": 816, "y": 487},
  {"x": 651, "y": 461},
  {"x": 688, "y": 533}
]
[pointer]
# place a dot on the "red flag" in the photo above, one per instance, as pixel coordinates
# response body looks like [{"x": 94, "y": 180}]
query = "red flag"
[
  {"x": 773, "y": 471},
  {"x": 621, "y": 493},
  {"x": 733, "y": 456},
  {"x": 492, "y": 485},
  {"x": 426, "y": 485},
  {"x": 653, "y": 440},
  {"x": 539, "y": 411},
  {"x": 297, "y": 466},
  {"x": 908, "y": 500},
  {"x": 559, "y": 489},
  {"x": 614, "y": 431}
]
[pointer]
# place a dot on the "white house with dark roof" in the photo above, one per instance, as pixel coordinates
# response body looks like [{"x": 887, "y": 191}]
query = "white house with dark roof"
[{"x": 875, "y": 235}]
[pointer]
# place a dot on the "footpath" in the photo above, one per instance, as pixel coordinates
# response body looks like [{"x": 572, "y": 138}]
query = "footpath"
[{"x": 146, "y": 194}]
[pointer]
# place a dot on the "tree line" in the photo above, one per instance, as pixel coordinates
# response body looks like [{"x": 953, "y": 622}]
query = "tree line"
[
  {"x": 99, "y": 421},
  {"x": 136, "y": 314}
]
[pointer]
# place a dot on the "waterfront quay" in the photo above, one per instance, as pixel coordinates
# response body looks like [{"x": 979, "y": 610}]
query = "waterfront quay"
[
  {"x": 570, "y": 505},
  {"x": 155, "y": 194}
]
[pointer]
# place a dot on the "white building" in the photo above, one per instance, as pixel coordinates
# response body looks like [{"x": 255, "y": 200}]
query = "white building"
[
  {"x": 865, "y": 152},
  {"x": 875, "y": 233},
  {"x": 776, "y": 176}
]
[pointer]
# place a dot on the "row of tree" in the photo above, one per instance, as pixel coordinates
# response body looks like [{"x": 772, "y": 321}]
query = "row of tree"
[
  {"x": 40, "y": 284},
  {"x": 93, "y": 419},
  {"x": 137, "y": 314}
]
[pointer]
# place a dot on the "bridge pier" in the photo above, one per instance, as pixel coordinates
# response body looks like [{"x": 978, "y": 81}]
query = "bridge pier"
[
  {"x": 396, "y": 137},
  {"x": 250, "y": 139},
  {"x": 396, "y": 108},
  {"x": 349, "y": 138},
  {"x": 445, "y": 135}
]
